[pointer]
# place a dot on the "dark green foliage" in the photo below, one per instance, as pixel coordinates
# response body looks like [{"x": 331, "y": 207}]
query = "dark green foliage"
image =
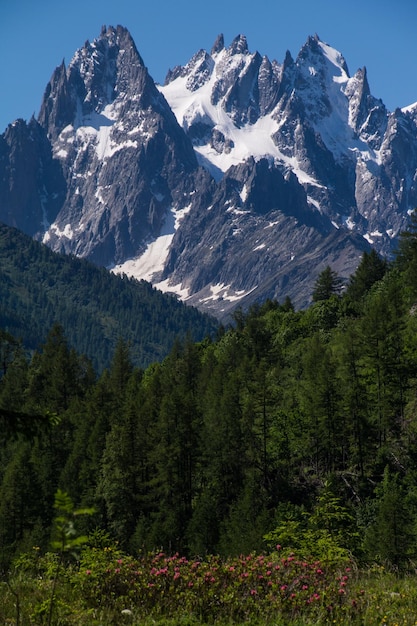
[
  {"x": 391, "y": 535},
  {"x": 370, "y": 270},
  {"x": 297, "y": 424},
  {"x": 96, "y": 308},
  {"x": 406, "y": 256},
  {"x": 328, "y": 283}
]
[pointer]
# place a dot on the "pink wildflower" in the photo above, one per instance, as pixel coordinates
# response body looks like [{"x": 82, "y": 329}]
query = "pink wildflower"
[
  {"x": 253, "y": 592},
  {"x": 88, "y": 572}
]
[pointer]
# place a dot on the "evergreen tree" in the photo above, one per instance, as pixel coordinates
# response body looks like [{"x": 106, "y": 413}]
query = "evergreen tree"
[
  {"x": 175, "y": 446},
  {"x": 354, "y": 400},
  {"x": 121, "y": 368},
  {"x": 383, "y": 358},
  {"x": 22, "y": 511},
  {"x": 319, "y": 401},
  {"x": 391, "y": 537},
  {"x": 370, "y": 270},
  {"x": 54, "y": 376},
  {"x": 328, "y": 283}
]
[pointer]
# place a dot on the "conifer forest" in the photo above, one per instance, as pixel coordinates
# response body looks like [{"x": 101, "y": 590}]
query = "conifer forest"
[{"x": 286, "y": 430}]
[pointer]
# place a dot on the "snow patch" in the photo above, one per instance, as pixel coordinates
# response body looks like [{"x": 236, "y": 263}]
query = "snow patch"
[
  {"x": 411, "y": 108},
  {"x": 66, "y": 232},
  {"x": 244, "y": 193},
  {"x": 151, "y": 262},
  {"x": 220, "y": 291},
  {"x": 314, "y": 203},
  {"x": 349, "y": 223},
  {"x": 182, "y": 292}
]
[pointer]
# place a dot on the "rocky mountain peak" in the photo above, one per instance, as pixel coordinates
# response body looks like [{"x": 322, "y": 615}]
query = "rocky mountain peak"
[
  {"x": 107, "y": 67},
  {"x": 239, "y": 179},
  {"x": 218, "y": 44},
  {"x": 317, "y": 51},
  {"x": 98, "y": 73},
  {"x": 239, "y": 45}
]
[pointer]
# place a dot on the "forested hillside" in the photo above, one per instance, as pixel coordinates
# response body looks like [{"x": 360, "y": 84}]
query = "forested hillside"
[
  {"x": 289, "y": 424},
  {"x": 39, "y": 288}
]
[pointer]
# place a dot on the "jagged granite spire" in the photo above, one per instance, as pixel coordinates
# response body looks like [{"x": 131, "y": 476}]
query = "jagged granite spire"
[
  {"x": 98, "y": 72},
  {"x": 218, "y": 44},
  {"x": 120, "y": 148},
  {"x": 300, "y": 167},
  {"x": 239, "y": 45}
]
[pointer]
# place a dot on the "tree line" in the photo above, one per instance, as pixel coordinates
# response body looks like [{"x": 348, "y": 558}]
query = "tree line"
[
  {"x": 39, "y": 288},
  {"x": 286, "y": 421}
]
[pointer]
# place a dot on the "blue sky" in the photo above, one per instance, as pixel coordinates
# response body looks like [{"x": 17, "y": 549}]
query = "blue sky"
[{"x": 35, "y": 35}]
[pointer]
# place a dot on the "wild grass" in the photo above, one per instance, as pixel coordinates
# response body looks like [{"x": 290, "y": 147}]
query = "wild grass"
[{"x": 106, "y": 587}]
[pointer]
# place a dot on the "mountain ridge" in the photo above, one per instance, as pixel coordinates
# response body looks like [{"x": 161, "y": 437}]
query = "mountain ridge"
[
  {"x": 40, "y": 288},
  {"x": 227, "y": 182}
]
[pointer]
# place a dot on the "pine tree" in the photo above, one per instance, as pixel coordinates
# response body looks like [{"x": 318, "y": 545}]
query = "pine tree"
[
  {"x": 328, "y": 283},
  {"x": 53, "y": 375},
  {"x": 406, "y": 255},
  {"x": 391, "y": 538},
  {"x": 319, "y": 400},
  {"x": 370, "y": 270}
]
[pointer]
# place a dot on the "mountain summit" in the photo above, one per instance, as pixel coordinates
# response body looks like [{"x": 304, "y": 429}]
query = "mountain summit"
[
  {"x": 120, "y": 148},
  {"x": 238, "y": 179}
]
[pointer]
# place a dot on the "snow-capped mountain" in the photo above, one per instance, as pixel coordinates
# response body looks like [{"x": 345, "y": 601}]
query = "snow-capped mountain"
[
  {"x": 355, "y": 160},
  {"x": 238, "y": 179},
  {"x": 124, "y": 157}
]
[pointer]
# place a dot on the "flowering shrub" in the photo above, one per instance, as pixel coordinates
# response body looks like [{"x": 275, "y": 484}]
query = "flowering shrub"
[
  {"x": 213, "y": 588},
  {"x": 108, "y": 587}
]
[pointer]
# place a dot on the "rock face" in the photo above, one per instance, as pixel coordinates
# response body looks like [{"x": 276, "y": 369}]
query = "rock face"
[
  {"x": 123, "y": 154},
  {"x": 239, "y": 179},
  {"x": 32, "y": 186}
]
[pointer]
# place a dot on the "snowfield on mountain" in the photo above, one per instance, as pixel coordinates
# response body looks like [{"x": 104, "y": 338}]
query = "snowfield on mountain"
[{"x": 239, "y": 179}]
